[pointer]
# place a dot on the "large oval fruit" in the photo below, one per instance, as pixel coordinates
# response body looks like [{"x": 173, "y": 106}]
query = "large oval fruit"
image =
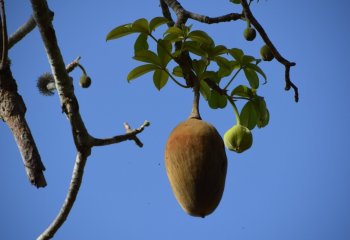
[{"x": 196, "y": 166}]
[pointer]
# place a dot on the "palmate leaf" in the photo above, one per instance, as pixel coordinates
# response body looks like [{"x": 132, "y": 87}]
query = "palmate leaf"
[
  {"x": 257, "y": 69},
  {"x": 156, "y": 22},
  {"x": 160, "y": 78},
  {"x": 236, "y": 53},
  {"x": 252, "y": 77},
  {"x": 201, "y": 37},
  {"x": 216, "y": 100},
  {"x": 205, "y": 90},
  {"x": 147, "y": 56},
  {"x": 242, "y": 91},
  {"x": 141, "y": 25},
  {"x": 141, "y": 70},
  {"x": 177, "y": 71},
  {"x": 195, "y": 48},
  {"x": 141, "y": 43},
  {"x": 164, "y": 52},
  {"x": 120, "y": 31},
  {"x": 248, "y": 115}
]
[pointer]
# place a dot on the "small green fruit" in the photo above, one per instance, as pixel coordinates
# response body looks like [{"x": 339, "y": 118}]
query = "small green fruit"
[
  {"x": 238, "y": 138},
  {"x": 249, "y": 34},
  {"x": 85, "y": 81},
  {"x": 266, "y": 53}
]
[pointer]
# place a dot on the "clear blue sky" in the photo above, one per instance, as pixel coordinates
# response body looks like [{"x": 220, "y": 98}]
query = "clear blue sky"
[{"x": 294, "y": 183}]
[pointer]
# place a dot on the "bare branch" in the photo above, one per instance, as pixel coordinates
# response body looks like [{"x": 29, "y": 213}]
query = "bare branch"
[
  {"x": 184, "y": 14},
  {"x": 4, "y": 61},
  {"x": 21, "y": 32},
  {"x": 166, "y": 13},
  {"x": 73, "y": 190},
  {"x": 277, "y": 55},
  {"x": 75, "y": 63},
  {"x": 209, "y": 20},
  {"x": 131, "y": 134},
  {"x": 12, "y": 111}
]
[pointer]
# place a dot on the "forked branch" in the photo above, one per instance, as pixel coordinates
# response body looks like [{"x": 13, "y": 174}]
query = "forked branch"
[{"x": 287, "y": 64}]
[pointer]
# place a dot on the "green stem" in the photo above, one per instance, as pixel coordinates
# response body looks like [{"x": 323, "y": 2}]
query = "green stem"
[
  {"x": 82, "y": 68},
  {"x": 235, "y": 110},
  {"x": 175, "y": 81},
  {"x": 234, "y": 76}
]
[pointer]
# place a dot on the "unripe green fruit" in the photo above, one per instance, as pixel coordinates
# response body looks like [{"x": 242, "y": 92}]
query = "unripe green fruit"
[
  {"x": 196, "y": 166},
  {"x": 249, "y": 34},
  {"x": 238, "y": 138},
  {"x": 85, "y": 81},
  {"x": 266, "y": 53}
]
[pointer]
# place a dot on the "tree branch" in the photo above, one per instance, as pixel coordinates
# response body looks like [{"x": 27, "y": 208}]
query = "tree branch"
[
  {"x": 21, "y": 32},
  {"x": 210, "y": 20},
  {"x": 12, "y": 111},
  {"x": 131, "y": 134},
  {"x": 166, "y": 13},
  {"x": 64, "y": 86},
  {"x": 277, "y": 55},
  {"x": 181, "y": 12},
  {"x": 73, "y": 190}
]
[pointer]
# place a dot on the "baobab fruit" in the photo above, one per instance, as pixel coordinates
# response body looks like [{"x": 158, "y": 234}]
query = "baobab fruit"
[
  {"x": 85, "y": 81},
  {"x": 266, "y": 53},
  {"x": 249, "y": 34},
  {"x": 196, "y": 166},
  {"x": 238, "y": 138}
]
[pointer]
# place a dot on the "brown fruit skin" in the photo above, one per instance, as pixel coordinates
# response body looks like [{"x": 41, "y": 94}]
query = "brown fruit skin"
[{"x": 196, "y": 165}]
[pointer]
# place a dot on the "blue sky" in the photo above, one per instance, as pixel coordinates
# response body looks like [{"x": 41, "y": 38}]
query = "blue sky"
[{"x": 294, "y": 183}]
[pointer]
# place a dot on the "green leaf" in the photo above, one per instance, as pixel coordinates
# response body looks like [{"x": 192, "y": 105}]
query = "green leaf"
[
  {"x": 177, "y": 71},
  {"x": 120, "y": 31},
  {"x": 242, "y": 91},
  {"x": 252, "y": 77},
  {"x": 160, "y": 78},
  {"x": 225, "y": 66},
  {"x": 248, "y": 116},
  {"x": 257, "y": 69},
  {"x": 263, "y": 115},
  {"x": 172, "y": 37},
  {"x": 141, "y": 43},
  {"x": 156, "y": 22},
  {"x": 216, "y": 100},
  {"x": 247, "y": 59},
  {"x": 147, "y": 56},
  {"x": 204, "y": 90},
  {"x": 236, "y": 53},
  {"x": 198, "y": 66},
  {"x": 195, "y": 48},
  {"x": 141, "y": 70},
  {"x": 201, "y": 37},
  {"x": 164, "y": 50},
  {"x": 141, "y": 25},
  {"x": 210, "y": 75},
  {"x": 218, "y": 50},
  {"x": 174, "y": 30}
]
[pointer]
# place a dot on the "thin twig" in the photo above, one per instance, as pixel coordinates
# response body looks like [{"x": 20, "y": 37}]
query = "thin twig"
[
  {"x": 4, "y": 35},
  {"x": 73, "y": 190},
  {"x": 131, "y": 134},
  {"x": 277, "y": 55}
]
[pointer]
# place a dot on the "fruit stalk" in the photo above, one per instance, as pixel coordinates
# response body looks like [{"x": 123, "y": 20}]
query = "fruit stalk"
[{"x": 195, "y": 105}]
